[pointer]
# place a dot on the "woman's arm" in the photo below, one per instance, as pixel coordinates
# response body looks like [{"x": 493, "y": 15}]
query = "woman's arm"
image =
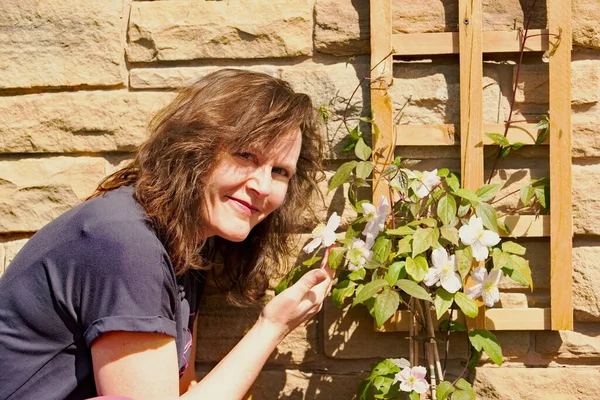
[{"x": 144, "y": 366}]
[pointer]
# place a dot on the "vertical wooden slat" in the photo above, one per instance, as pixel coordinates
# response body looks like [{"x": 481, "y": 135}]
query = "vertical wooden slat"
[
  {"x": 561, "y": 230},
  {"x": 471, "y": 106},
  {"x": 381, "y": 78}
]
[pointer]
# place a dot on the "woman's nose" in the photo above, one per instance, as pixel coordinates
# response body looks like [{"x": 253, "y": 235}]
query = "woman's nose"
[{"x": 260, "y": 182}]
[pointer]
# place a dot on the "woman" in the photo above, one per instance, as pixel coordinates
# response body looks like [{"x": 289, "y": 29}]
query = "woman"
[{"x": 102, "y": 301}]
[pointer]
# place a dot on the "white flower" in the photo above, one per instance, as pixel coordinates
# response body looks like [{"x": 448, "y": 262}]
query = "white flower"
[
  {"x": 486, "y": 286},
  {"x": 478, "y": 238},
  {"x": 375, "y": 219},
  {"x": 412, "y": 379},
  {"x": 443, "y": 271},
  {"x": 427, "y": 181},
  {"x": 323, "y": 234},
  {"x": 358, "y": 254}
]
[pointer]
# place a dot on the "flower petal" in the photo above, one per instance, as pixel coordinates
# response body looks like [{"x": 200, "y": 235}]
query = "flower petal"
[
  {"x": 422, "y": 190},
  {"x": 476, "y": 224},
  {"x": 312, "y": 245},
  {"x": 491, "y": 296},
  {"x": 489, "y": 238},
  {"x": 418, "y": 372},
  {"x": 480, "y": 252},
  {"x": 474, "y": 291},
  {"x": 467, "y": 235},
  {"x": 420, "y": 386},
  {"x": 383, "y": 206},
  {"x": 328, "y": 238},
  {"x": 451, "y": 282},
  {"x": 479, "y": 275},
  {"x": 439, "y": 257},
  {"x": 433, "y": 276},
  {"x": 334, "y": 222}
]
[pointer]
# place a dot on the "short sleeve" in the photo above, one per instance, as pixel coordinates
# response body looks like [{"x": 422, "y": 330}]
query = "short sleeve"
[{"x": 124, "y": 282}]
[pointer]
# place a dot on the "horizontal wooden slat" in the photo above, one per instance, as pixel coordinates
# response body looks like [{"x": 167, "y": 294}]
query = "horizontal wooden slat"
[
  {"x": 446, "y": 134},
  {"x": 499, "y": 319},
  {"x": 412, "y": 44},
  {"x": 527, "y": 225}
]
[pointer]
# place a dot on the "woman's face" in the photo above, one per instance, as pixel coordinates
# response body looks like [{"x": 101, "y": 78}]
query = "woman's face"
[{"x": 249, "y": 185}]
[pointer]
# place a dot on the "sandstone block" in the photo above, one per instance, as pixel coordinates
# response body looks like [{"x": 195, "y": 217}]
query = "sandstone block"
[
  {"x": 586, "y": 141},
  {"x": 35, "y": 191},
  {"x": 586, "y": 202},
  {"x": 189, "y": 30},
  {"x": 429, "y": 94},
  {"x": 509, "y": 15},
  {"x": 586, "y": 282},
  {"x": 573, "y": 383},
  {"x": 341, "y": 27},
  {"x": 77, "y": 122},
  {"x": 329, "y": 82},
  {"x": 61, "y": 43},
  {"x": 11, "y": 249},
  {"x": 585, "y": 83},
  {"x": 3, "y": 262},
  {"x": 294, "y": 384},
  {"x": 221, "y": 326},
  {"x": 582, "y": 343},
  {"x": 586, "y": 31},
  {"x": 414, "y": 17}
]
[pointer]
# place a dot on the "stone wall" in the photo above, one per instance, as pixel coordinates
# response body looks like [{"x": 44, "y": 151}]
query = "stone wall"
[{"x": 80, "y": 79}]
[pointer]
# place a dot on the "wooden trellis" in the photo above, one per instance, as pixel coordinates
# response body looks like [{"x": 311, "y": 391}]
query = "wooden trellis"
[{"x": 470, "y": 43}]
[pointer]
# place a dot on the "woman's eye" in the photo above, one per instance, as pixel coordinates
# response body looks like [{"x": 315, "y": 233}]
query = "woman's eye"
[
  {"x": 280, "y": 171},
  {"x": 246, "y": 156}
]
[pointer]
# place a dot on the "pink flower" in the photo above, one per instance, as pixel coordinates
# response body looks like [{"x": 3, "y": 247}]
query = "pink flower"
[{"x": 412, "y": 379}]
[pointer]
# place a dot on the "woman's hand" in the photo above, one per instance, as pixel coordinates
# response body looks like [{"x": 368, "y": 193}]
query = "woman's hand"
[{"x": 299, "y": 302}]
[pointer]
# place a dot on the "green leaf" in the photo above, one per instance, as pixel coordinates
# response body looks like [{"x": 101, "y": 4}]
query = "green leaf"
[
  {"x": 450, "y": 233},
  {"x": 413, "y": 289},
  {"x": 466, "y": 304},
  {"x": 443, "y": 390},
  {"x": 526, "y": 193},
  {"x": 499, "y": 139},
  {"x": 395, "y": 271},
  {"x": 453, "y": 182},
  {"x": 474, "y": 359},
  {"x": 417, "y": 268},
  {"x": 401, "y": 231},
  {"x": 453, "y": 326},
  {"x": 385, "y": 367},
  {"x": 463, "y": 208},
  {"x": 362, "y": 151},
  {"x": 517, "y": 145},
  {"x": 501, "y": 259},
  {"x": 514, "y": 248},
  {"x": 542, "y": 194},
  {"x": 466, "y": 388},
  {"x": 370, "y": 290},
  {"x": 404, "y": 245},
  {"x": 336, "y": 255},
  {"x": 487, "y": 192},
  {"x": 386, "y": 304},
  {"x": 424, "y": 239},
  {"x": 381, "y": 249},
  {"x": 365, "y": 390},
  {"x": 341, "y": 291},
  {"x": 364, "y": 169},
  {"x": 446, "y": 209},
  {"x": 486, "y": 340},
  {"x": 504, "y": 151},
  {"x": 488, "y": 216},
  {"x": 311, "y": 261},
  {"x": 414, "y": 396},
  {"x": 342, "y": 174},
  {"x": 443, "y": 301},
  {"x": 464, "y": 258},
  {"x": 357, "y": 275},
  {"x": 467, "y": 195},
  {"x": 521, "y": 271}
]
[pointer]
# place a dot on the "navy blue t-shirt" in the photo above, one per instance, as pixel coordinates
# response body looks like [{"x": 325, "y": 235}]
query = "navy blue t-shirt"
[{"x": 97, "y": 268}]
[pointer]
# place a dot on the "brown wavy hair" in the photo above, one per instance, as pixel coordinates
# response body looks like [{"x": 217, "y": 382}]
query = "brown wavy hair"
[{"x": 225, "y": 111}]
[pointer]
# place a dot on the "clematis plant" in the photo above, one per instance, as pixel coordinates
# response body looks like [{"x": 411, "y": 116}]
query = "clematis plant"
[{"x": 428, "y": 247}]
